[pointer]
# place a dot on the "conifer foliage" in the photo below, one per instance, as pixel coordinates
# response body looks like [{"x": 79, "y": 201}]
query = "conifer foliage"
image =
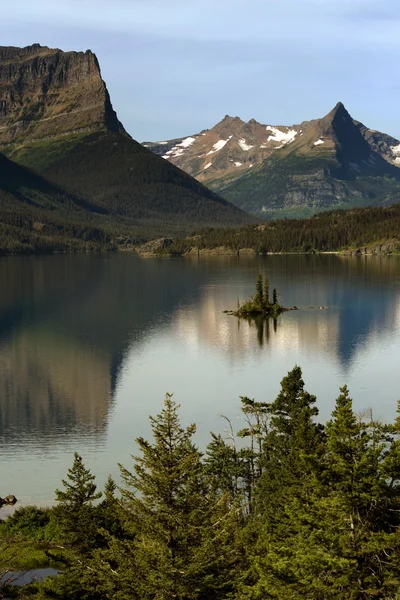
[
  {"x": 75, "y": 504},
  {"x": 284, "y": 509}
]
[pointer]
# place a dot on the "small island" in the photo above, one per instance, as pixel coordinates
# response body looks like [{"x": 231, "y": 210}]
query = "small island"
[{"x": 260, "y": 304}]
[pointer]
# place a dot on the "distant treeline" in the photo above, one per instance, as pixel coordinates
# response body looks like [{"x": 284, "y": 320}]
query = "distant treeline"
[
  {"x": 326, "y": 231},
  {"x": 286, "y": 508},
  {"x": 27, "y": 231},
  {"x": 28, "y": 228}
]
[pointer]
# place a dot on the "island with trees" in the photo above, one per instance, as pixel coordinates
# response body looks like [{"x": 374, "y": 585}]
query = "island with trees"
[{"x": 261, "y": 305}]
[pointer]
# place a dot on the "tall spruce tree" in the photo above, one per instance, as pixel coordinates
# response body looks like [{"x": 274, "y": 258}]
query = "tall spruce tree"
[
  {"x": 266, "y": 292},
  {"x": 75, "y": 505},
  {"x": 291, "y": 452},
  {"x": 183, "y": 531},
  {"x": 336, "y": 535},
  {"x": 259, "y": 296},
  {"x": 223, "y": 467},
  {"x": 363, "y": 502}
]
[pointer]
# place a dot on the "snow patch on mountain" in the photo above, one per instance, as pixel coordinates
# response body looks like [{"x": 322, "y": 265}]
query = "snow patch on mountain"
[
  {"x": 238, "y": 164},
  {"x": 319, "y": 142},
  {"x": 208, "y": 165},
  {"x": 180, "y": 148},
  {"x": 219, "y": 145},
  {"x": 244, "y": 145},
  {"x": 281, "y": 136},
  {"x": 396, "y": 150}
]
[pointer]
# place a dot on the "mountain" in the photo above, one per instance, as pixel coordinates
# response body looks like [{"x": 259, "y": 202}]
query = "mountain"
[
  {"x": 333, "y": 162},
  {"x": 224, "y": 153},
  {"x": 329, "y": 165},
  {"x": 56, "y": 118},
  {"x": 36, "y": 215},
  {"x": 47, "y": 94}
]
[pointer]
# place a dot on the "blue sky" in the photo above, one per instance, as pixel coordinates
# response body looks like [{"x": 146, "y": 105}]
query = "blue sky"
[{"x": 174, "y": 67}]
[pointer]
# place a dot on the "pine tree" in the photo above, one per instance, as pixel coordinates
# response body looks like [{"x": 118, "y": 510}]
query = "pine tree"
[
  {"x": 293, "y": 430},
  {"x": 109, "y": 518},
  {"x": 266, "y": 292},
  {"x": 75, "y": 508},
  {"x": 335, "y": 535},
  {"x": 181, "y": 528},
  {"x": 259, "y": 296},
  {"x": 291, "y": 450},
  {"x": 222, "y": 466},
  {"x": 274, "y": 297},
  {"x": 363, "y": 503}
]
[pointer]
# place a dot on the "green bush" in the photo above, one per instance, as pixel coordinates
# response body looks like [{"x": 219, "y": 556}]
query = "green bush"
[{"x": 32, "y": 522}]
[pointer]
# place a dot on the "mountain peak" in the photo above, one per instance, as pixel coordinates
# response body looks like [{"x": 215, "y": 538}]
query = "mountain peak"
[
  {"x": 340, "y": 110},
  {"x": 59, "y": 94},
  {"x": 230, "y": 119},
  {"x": 337, "y": 117},
  {"x": 340, "y": 106}
]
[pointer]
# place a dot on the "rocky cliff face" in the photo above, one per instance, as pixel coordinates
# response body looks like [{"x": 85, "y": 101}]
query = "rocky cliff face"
[{"x": 47, "y": 94}]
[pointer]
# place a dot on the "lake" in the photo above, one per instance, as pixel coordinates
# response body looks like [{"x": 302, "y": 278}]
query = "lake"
[{"x": 89, "y": 345}]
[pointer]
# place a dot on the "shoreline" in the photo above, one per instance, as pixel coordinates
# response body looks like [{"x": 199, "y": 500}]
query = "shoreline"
[{"x": 391, "y": 248}]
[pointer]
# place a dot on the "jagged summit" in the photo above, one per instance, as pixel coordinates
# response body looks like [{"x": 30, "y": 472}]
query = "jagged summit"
[
  {"x": 325, "y": 162},
  {"x": 337, "y": 114},
  {"x": 223, "y": 153}
]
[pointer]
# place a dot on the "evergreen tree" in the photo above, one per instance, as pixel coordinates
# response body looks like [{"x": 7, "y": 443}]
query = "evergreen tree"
[
  {"x": 259, "y": 296},
  {"x": 363, "y": 503},
  {"x": 291, "y": 451},
  {"x": 181, "y": 530},
  {"x": 256, "y": 416},
  {"x": 75, "y": 508},
  {"x": 266, "y": 292},
  {"x": 336, "y": 533},
  {"x": 109, "y": 517},
  {"x": 222, "y": 466},
  {"x": 274, "y": 297}
]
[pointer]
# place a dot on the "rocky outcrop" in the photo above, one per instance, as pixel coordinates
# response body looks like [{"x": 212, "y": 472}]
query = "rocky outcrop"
[
  {"x": 46, "y": 93},
  {"x": 151, "y": 248},
  {"x": 375, "y": 249},
  {"x": 9, "y": 500}
]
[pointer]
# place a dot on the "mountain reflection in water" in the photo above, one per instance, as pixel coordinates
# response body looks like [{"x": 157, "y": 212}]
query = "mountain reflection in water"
[{"x": 86, "y": 341}]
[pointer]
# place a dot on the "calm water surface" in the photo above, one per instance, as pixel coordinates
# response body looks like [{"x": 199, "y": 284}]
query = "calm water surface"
[{"x": 89, "y": 345}]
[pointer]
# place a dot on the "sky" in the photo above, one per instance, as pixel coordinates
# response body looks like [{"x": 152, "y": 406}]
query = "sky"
[{"x": 175, "y": 67}]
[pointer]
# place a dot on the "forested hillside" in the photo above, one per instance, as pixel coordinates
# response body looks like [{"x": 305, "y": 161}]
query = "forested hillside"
[
  {"x": 37, "y": 216},
  {"x": 330, "y": 231},
  {"x": 286, "y": 508},
  {"x": 57, "y": 120}
]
